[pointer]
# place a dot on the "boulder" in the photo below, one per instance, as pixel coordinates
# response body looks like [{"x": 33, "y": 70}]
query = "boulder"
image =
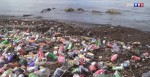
[
  {"x": 69, "y": 10},
  {"x": 95, "y": 11},
  {"x": 46, "y": 10},
  {"x": 113, "y": 11},
  {"x": 27, "y": 15},
  {"x": 80, "y": 10}
]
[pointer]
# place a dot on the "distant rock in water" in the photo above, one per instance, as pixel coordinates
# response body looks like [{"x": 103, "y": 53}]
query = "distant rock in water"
[
  {"x": 69, "y": 10},
  {"x": 27, "y": 15},
  {"x": 95, "y": 11},
  {"x": 47, "y": 10},
  {"x": 113, "y": 11},
  {"x": 80, "y": 10}
]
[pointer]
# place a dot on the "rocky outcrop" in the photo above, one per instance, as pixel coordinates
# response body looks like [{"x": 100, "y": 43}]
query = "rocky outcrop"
[
  {"x": 27, "y": 15},
  {"x": 95, "y": 11},
  {"x": 47, "y": 10},
  {"x": 113, "y": 11},
  {"x": 80, "y": 10},
  {"x": 69, "y": 10}
]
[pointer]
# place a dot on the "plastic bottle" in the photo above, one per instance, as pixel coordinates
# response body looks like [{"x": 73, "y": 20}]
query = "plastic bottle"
[
  {"x": 31, "y": 69},
  {"x": 5, "y": 41},
  {"x": 40, "y": 54},
  {"x": 30, "y": 56},
  {"x": 76, "y": 70},
  {"x": 104, "y": 40},
  {"x": 136, "y": 58},
  {"x": 92, "y": 67},
  {"x": 99, "y": 71},
  {"x": 125, "y": 64},
  {"x": 31, "y": 63},
  {"x": 117, "y": 68},
  {"x": 61, "y": 59},
  {"x": 117, "y": 74},
  {"x": 6, "y": 73},
  {"x": 23, "y": 62},
  {"x": 2, "y": 62},
  {"x": 5, "y": 51},
  {"x": 51, "y": 55},
  {"x": 2, "y": 69},
  {"x": 21, "y": 75},
  {"x": 71, "y": 54},
  {"x": 100, "y": 65},
  {"x": 21, "y": 51},
  {"x": 76, "y": 75},
  {"x": 61, "y": 48},
  {"x": 32, "y": 75},
  {"x": 146, "y": 55},
  {"x": 98, "y": 42},
  {"x": 84, "y": 69},
  {"x": 72, "y": 62},
  {"x": 115, "y": 48},
  {"x": 95, "y": 47},
  {"x": 10, "y": 58},
  {"x": 90, "y": 55},
  {"x": 70, "y": 46},
  {"x": 114, "y": 57},
  {"x": 58, "y": 72},
  {"x": 44, "y": 72}
]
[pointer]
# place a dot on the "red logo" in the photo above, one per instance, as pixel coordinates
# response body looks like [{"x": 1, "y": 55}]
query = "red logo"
[{"x": 141, "y": 4}]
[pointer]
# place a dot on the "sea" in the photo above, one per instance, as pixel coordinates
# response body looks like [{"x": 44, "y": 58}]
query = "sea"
[{"x": 134, "y": 17}]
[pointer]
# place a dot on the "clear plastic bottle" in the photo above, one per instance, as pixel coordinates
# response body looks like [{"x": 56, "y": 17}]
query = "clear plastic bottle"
[
  {"x": 44, "y": 72},
  {"x": 59, "y": 72}
]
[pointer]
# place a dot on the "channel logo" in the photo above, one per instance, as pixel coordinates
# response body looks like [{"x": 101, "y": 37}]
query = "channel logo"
[
  {"x": 134, "y": 4},
  {"x": 138, "y": 4}
]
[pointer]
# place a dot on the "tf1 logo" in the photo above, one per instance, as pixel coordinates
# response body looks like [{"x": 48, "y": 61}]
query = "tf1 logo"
[{"x": 135, "y": 4}]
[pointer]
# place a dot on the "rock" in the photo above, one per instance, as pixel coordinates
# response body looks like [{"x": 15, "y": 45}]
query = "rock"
[
  {"x": 69, "y": 10},
  {"x": 46, "y": 10},
  {"x": 80, "y": 10},
  {"x": 95, "y": 11},
  {"x": 113, "y": 11},
  {"x": 27, "y": 15},
  {"x": 147, "y": 74}
]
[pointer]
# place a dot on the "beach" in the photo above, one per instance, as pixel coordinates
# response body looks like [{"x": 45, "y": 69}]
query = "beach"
[
  {"x": 118, "y": 33},
  {"x": 89, "y": 38}
]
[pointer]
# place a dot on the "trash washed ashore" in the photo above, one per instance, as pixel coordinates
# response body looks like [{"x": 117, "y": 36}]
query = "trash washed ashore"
[{"x": 42, "y": 48}]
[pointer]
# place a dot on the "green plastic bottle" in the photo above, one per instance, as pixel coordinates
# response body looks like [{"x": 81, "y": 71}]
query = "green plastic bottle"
[
  {"x": 33, "y": 75},
  {"x": 76, "y": 70},
  {"x": 70, "y": 46},
  {"x": 98, "y": 42},
  {"x": 52, "y": 56},
  {"x": 5, "y": 41},
  {"x": 23, "y": 62}
]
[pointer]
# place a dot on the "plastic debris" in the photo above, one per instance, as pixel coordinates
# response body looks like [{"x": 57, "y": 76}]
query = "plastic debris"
[{"x": 33, "y": 54}]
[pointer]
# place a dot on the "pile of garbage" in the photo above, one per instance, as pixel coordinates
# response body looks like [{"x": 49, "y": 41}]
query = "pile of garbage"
[{"x": 26, "y": 53}]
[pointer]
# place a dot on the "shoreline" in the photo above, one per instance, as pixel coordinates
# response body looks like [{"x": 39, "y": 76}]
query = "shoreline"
[
  {"x": 78, "y": 28},
  {"x": 86, "y": 24}
]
